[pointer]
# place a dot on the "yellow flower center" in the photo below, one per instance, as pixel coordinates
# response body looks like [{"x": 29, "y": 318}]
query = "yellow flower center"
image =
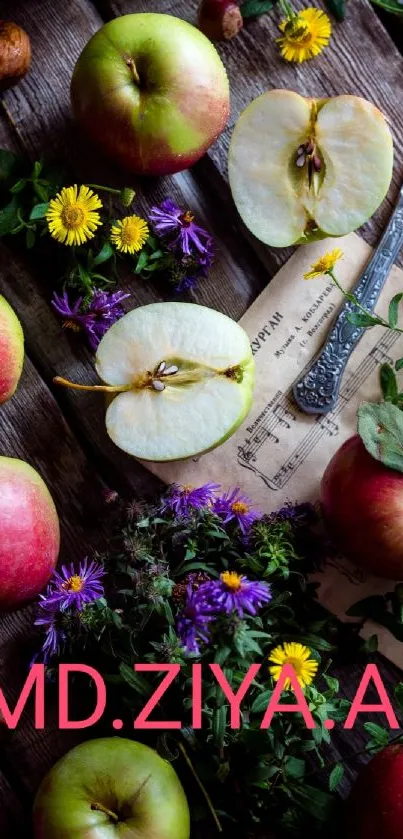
[
  {"x": 187, "y": 217},
  {"x": 298, "y": 30},
  {"x": 296, "y": 663},
  {"x": 232, "y": 580},
  {"x": 239, "y": 508},
  {"x": 187, "y": 488},
  {"x": 74, "y": 584},
  {"x": 133, "y": 231},
  {"x": 72, "y": 216}
]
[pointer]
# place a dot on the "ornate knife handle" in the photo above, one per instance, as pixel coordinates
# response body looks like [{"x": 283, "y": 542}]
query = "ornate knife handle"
[{"x": 317, "y": 391}]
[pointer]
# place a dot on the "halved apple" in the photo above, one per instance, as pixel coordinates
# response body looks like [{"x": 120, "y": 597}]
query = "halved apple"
[
  {"x": 300, "y": 169},
  {"x": 181, "y": 376}
]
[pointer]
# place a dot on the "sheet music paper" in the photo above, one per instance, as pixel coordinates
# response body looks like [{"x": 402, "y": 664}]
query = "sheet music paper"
[{"x": 279, "y": 453}]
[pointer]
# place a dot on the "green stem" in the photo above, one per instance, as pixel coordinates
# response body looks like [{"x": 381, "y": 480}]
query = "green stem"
[
  {"x": 353, "y": 299},
  {"x": 287, "y": 9},
  {"x": 100, "y": 188},
  {"x": 102, "y": 809},
  {"x": 332, "y": 763},
  {"x": 201, "y": 787}
]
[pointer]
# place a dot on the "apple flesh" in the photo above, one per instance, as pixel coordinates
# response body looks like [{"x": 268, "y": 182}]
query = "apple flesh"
[
  {"x": 152, "y": 91},
  {"x": 183, "y": 377},
  {"x": 11, "y": 350},
  {"x": 108, "y": 788},
  {"x": 301, "y": 169},
  {"x": 29, "y": 527},
  {"x": 362, "y": 503},
  {"x": 375, "y": 807}
]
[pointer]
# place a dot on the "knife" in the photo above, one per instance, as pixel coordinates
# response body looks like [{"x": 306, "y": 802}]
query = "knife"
[{"x": 317, "y": 391}]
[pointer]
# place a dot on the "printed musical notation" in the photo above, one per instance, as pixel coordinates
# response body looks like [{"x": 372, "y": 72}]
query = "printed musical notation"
[{"x": 277, "y": 420}]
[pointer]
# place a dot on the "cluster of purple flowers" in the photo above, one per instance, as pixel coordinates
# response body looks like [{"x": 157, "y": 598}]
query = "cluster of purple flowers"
[
  {"x": 231, "y": 594},
  {"x": 95, "y": 318},
  {"x": 191, "y": 245},
  {"x": 68, "y": 590},
  {"x": 230, "y": 506}
]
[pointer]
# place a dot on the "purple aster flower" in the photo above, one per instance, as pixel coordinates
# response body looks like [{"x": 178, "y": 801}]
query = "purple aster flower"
[
  {"x": 169, "y": 220},
  {"x": 234, "y": 505},
  {"x": 95, "y": 319},
  {"x": 296, "y": 513},
  {"x": 233, "y": 592},
  {"x": 49, "y": 619},
  {"x": 193, "y": 621},
  {"x": 183, "y": 499},
  {"x": 72, "y": 589}
]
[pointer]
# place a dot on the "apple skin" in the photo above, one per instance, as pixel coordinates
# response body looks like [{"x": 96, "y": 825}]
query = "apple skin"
[
  {"x": 30, "y": 537},
  {"x": 375, "y": 807},
  {"x": 161, "y": 114},
  {"x": 11, "y": 351},
  {"x": 110, "y": 772},
  {"x": 362, "y": 503}
]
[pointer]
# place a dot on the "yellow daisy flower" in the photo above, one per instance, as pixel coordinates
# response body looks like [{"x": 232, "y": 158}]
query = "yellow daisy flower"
[
  {"x": 304, "y": 34},
  {"x": 324, "y": 265},
  {"x": 299, "y": 657},
  {"x": 72, "y": 218},
  {"x": 129, "y": 234}
]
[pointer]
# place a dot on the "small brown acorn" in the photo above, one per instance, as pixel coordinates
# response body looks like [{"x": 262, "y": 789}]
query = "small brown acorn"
[
  {"x": 220, "y": 20},
  {"x": 15, "y": 54}
]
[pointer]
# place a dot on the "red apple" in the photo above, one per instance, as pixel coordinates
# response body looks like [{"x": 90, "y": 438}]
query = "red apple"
[
  {"x": 11, "y": 350},
  {"x": 375, "y": 807},
  {"x": 29, "y": 528},
  {"x": 220, "y": 20},
  {"x": 362, "y": 502},
  {"x": 152, "y": 91},
  {"x": 111, "y": 788}
]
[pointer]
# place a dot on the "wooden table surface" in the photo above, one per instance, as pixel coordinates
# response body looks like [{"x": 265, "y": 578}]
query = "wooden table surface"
[{"x": 62, "y": 433}]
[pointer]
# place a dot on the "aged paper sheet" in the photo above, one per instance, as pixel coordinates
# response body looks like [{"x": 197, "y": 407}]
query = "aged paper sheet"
[{"x": 280, "y": 453}]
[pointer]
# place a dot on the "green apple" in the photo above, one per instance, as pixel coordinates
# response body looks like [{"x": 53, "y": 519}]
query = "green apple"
[
  {"x": 183, "y": 377},
  {"x": 29, "y": 528},
  {"x": 111, "y": 788},
  {"x": 301, "y": 169},
  {"x": 11, "y": 350},
  {"x": 152, "y": 91}
]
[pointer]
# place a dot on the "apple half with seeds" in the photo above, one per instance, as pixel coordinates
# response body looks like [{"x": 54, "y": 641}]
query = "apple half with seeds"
[
  {"x": 301, "y": 169},
  {"x": 181, "y": 380}
]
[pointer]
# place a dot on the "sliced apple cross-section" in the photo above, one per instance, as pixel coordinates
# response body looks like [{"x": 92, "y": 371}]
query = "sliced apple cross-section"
[
  {"x": 302, "y": 168},
  {"x": 180, "y": 377}
]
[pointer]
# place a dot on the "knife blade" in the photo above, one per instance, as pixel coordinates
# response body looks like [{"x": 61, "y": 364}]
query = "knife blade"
[{"x": 317, "y": 391}]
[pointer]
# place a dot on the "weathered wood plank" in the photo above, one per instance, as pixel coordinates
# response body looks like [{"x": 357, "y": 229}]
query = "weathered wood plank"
[
  {"x": 361, "y": 59},
  {"x": 14, "y": 818}
]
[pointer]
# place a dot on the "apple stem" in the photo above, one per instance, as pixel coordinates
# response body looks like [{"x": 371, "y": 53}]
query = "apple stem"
[
  {"x": 131, "y": 64},
  {"x": 58, "y": 380},
  {"x": 102, "y": 809}
]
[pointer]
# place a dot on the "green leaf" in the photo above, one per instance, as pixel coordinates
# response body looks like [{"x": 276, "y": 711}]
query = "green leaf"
[
  {"x": 363, "y": 319},
  {"x": 390, "y": 5},
  {"x": 141, "y": 262},
  {"x": 399, "y": 695},
  {"x": 336, "y": 776},
  {"x": 388, "y": 383},
  {"x": 394, "y": 309},
  {"x": 9, "y": 216},
  {"x": 378, "y": 734},
  {"x": 38, "y": 211},
  {"x": 381, "y": 430},
  {"x": 371, "y": 644},
  {"x": 295, "y": 767},
  {"x": 254, "y": 8},
  {"x": 135, "y": 680},
  {"x": 219, "y": 724},
  {"x": 38, "y": 166},
  {"x": 399, "y": 364},
  {"x": 104, "y": 254},
  {"x": 41, "y": 191},
  {"x": 261, "y": 702},
  {"x": 30, "y": 238},
  {"x": 337, "y": 8},
  {"x": 18, "y": 186}
]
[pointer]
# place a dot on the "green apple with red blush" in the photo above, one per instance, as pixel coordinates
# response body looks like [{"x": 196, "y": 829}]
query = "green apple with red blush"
[
  {"x": 109, "y": 788},
  {"x": 11, "y": 350},
  {"x": 152, "y": 92},
  {"x": 29, "y": 527}
]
